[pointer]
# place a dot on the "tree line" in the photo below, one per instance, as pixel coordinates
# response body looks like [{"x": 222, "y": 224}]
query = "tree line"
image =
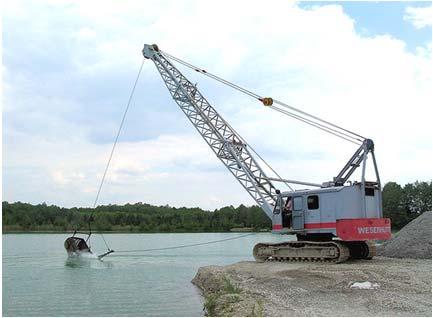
[
  {"x": 401, "y": 204},
  {"x": 138, "y": 217}
]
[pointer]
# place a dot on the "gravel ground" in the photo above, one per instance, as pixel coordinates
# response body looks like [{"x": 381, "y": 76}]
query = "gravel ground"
[
  {"x": 412, "y": 241},
  {"x": 401, "y": 287}
]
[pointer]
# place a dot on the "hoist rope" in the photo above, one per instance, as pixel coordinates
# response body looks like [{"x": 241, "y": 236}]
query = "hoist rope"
[
  {"x": 105, "y": 242},
  {"x": 318, "y": 123},
  {"x": 114, "y": 146},
  {"x": 184, "y": 246}
]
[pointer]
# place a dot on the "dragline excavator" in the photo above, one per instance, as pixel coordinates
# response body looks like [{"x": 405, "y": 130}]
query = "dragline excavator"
[{"x": 333, "y": 221}]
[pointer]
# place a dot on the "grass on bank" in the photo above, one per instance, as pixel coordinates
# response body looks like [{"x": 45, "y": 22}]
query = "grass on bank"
[{"x": 222, "y": 303}]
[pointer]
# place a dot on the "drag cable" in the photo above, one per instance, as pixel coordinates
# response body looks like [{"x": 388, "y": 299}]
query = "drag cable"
[{"x": 184, "y": 246}]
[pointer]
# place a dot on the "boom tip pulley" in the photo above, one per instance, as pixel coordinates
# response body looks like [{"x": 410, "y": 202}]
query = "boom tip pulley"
[
  {"x": 267, "y": 101},
  {"x": 149, "y": 50}
]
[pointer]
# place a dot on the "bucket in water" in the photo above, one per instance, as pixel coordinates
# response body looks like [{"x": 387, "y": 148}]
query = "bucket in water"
[{"x": 76, "y": 245}]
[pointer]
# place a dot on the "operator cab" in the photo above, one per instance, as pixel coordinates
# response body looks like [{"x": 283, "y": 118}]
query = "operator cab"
[{"x": 320, "y": 211}]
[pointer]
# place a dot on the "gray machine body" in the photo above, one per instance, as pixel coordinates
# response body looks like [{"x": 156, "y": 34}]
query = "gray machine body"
[{"x": 318, "y": 210}]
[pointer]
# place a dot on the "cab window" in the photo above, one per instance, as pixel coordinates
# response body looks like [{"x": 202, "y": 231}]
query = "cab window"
[
  {"x": 297, "y": 203},
  {"x": 369, "y": 192},
  {"x": 313, "y": 202}
]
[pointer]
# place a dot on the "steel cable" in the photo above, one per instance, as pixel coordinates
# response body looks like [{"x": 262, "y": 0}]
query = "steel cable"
[
  {"x": 184, "y": 246},
  {"x": 322, "y": 126},
  {"x": 317, "y": 125},
  {"x": 317, "y": 118},
  {"x": 114, "y": 146},
  {"x": 217, "y": 78}
]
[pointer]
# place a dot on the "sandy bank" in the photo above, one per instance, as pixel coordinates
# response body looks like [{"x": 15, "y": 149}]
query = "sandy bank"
[{"x": 296, "y": 289}]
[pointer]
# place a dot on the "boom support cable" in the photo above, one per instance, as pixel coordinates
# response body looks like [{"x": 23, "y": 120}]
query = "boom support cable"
[
  {"x": 319, "y": 119},
  {"x": 311, "y": 123},
  {"x": 304, "y": 117},
  {"x": 114, "y": 146}
]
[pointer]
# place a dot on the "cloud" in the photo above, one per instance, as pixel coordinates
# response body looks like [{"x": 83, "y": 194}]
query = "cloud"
[
  {"x": 420, "y": 17},
  {"x": 69, "y": 67}
]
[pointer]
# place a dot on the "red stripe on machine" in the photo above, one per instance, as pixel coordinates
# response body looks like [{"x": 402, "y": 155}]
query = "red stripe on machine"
[
  {"x": 277, "y": 227},
  {"x": 329, "y": 225}
]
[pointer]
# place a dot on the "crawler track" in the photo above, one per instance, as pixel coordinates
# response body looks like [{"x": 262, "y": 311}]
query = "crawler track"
[{"x": 308, "y": 251}]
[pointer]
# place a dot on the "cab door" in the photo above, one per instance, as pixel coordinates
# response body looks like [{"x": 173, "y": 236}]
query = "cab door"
[{"x": 298, "y": 213}]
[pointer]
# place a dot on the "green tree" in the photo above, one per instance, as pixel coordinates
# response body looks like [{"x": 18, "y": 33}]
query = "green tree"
[
  {"x": 393, "y": 198},
  {"x": 418, "y": 197}
]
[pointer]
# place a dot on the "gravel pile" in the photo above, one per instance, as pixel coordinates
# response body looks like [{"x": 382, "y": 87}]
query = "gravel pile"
[{"x": 412, "y": 241}]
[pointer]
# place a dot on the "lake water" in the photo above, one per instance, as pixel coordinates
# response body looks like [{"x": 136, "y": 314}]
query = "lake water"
[{"x": 40, "y": 280}]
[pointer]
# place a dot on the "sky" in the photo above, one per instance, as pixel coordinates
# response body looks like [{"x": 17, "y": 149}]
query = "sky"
[{"x": 68, "y": 69}]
